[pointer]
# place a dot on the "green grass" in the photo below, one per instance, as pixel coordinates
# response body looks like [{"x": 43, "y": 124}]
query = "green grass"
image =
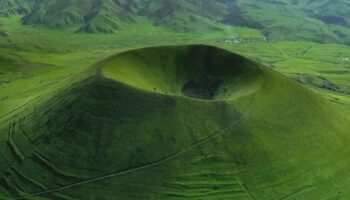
[
  {"x": 168, "y": 70},
  {"x": 252, "y": 146},
  {"x": 273, "y": 139}
]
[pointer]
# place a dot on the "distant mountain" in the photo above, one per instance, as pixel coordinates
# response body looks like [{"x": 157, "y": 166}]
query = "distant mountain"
[
  {"x": 90, "y": 15},
  {"x": 320, "y": 21},
  {"x": 13, "y": 7},
  {"x": 109, "y": 15},
  {"x": 186, "y": 14}
]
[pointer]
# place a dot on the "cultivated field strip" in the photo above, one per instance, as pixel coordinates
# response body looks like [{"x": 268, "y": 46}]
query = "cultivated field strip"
[
  {"x": 12, "y": 158},
  {"x": 53, "y": 92},
  {"x": 206, "y": 186}
]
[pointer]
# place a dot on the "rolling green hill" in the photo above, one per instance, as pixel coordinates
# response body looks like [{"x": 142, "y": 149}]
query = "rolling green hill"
[
  {"x": 110, "y": 15},
  {"x": 176, "y": 122},
  {"x": 186, "y": 15},
  {"x": 88, "y": 15},
  {"x": 13, "y": 7},
  {"x": 319, "y": 21}
]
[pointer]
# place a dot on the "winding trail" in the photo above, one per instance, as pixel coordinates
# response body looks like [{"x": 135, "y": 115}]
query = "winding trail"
[
  {"x": 281, "y": 50},
  {"x": 119, "y": 173},
  {"x": 143, "y": 167},
  {"x": 25, "y": 105}
]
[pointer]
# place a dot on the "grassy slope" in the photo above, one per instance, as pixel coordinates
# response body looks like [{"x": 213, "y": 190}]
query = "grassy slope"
[
  {"x": 321, "y": 66},
  {"x": 14, "y": 7},
  {"x": 168, "y": 69},
  {"x": 240, "y": 148},
  {"x": 38, "y": 45},
  {"x": 83, "y": 50},
  {"x": 293, "y": 20},
  {"x": 321, "y": 21},
  {"x": 186, "y": 16},
  {"x": 104, "y": 16}
]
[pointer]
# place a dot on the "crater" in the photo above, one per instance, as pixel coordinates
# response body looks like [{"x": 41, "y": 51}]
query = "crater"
[
  {"x": 193, "y": 71},
  {"x": 202, "y": 88}
]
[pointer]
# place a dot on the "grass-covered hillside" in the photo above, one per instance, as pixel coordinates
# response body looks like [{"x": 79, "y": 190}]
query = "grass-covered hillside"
[
  {"x": 319, "y": 21},
  {"x": 185, "y": 99},
  {"x": 13, "y": 7},
  {"x": 92, "y": 16},
  {"x": 143, "y": 125}
]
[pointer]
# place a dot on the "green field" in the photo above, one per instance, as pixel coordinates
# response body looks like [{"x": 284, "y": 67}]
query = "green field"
[{"x": 103, "y": 116}]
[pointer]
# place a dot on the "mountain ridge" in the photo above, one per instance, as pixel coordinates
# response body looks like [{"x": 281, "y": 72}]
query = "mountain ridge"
[{"x": 318, "y": 21}]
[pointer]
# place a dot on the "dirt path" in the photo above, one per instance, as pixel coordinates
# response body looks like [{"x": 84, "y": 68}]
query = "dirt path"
[{"x": 100, "y": 178}]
